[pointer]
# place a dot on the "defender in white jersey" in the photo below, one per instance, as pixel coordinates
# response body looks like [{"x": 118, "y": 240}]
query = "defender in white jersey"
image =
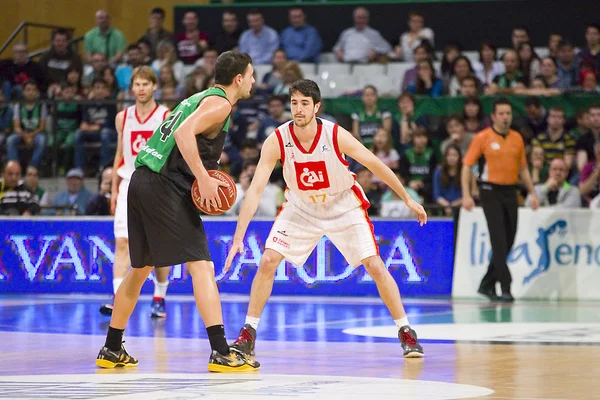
[
  {"x": 134, "y": 125},
  {"x": 323, "y": 198}
]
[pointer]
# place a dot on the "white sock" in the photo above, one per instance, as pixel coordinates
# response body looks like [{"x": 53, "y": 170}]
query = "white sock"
[
  {"x": 401, "y": 322},
  {"x": 253, "y": 322},
  {"x": 116, "y": 283},
  {"x": 160, "y": 289}
]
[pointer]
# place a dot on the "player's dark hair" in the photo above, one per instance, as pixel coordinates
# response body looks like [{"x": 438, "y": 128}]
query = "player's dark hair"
[
  {"x": 501, "y": 102},
  {"x": 595, "y": 106},
  {"x": 229, "y": 65},
  {"x": 307, "y": 88}
]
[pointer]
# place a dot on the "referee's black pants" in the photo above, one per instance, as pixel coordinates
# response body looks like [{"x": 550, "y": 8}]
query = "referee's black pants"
[{"x": 500, "y": 207}]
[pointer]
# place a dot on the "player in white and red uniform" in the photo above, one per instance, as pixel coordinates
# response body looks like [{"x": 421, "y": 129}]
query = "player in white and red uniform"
[
  {"x": 134, "y": 125},
  {"x": 323, "y": 198}
]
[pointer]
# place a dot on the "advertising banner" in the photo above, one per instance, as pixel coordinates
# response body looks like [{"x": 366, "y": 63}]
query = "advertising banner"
[
  {"x": 556, "y": 254},
  {"x": 76, "y": 255}
]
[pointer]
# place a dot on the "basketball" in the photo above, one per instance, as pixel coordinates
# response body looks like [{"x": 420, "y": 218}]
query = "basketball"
[{"x": 226, "y": 194}]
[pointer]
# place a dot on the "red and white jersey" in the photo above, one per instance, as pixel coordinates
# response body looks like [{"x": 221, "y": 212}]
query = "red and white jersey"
[
  {"x": 318, "y": 179},
  {"x": 135, "y": 135}
]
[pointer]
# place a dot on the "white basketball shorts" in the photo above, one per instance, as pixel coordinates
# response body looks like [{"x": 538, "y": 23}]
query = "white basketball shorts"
[
  {"x": 295, "y": 234},
  {"x": 121, "y": 210}
]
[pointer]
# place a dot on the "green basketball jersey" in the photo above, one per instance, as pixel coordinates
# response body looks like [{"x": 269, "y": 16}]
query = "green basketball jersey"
[{"x": 161, "y": 153}]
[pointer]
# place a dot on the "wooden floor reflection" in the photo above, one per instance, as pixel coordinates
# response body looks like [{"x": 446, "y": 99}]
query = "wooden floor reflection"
[{"x": 519, "y": 370}]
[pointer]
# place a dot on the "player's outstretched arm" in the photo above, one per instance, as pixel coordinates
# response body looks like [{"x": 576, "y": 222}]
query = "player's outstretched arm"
[
  {"x": 119, "y": 119},
  {"x": 210, "y": 114},
  {"x": 269, "y": 156},
  {"x": 350, "y": 146}
]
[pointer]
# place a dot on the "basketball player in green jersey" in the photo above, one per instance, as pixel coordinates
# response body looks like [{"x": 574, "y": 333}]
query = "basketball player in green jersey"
[{"x": 164, "y": 225}]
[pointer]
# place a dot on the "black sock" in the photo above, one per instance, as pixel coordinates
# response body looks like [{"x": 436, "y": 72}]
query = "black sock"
[
  {"x": 216, "y": 337},
  {"x": 114, "y": 338}
]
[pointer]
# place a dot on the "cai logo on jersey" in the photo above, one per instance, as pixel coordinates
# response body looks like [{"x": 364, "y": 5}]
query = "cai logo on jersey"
[
  {"x": 311, "y": 175},
  {"x": 139, "y": 140}
]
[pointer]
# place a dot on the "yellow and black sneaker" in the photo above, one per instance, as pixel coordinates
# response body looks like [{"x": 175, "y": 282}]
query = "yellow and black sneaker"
[
  {"x": 113, "y": 359},
  {"x": 244, "y": 344},
  {"x": 233, "y": 362},
  {"x": 410, "y": 343}
]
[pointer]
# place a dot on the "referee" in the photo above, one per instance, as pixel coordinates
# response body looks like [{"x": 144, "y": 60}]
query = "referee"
[{"x": 499, "y": 153}]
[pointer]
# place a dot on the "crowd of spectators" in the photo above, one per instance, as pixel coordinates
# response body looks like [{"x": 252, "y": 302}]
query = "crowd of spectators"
[{"x": 564, "y": 153}]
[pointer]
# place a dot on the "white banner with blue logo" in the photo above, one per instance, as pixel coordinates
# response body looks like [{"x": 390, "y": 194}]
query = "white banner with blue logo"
[{"x": 556, "y": 254}]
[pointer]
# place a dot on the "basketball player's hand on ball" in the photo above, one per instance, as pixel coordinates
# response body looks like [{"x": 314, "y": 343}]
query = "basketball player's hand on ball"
[
  {"x": 237, "y": 247},
  {"x": 209, "y": 192},
  {"x": 419, "y": 211}
]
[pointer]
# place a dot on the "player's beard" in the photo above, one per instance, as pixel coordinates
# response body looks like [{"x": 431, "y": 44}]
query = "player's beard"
[
  {"x": 148, "y": 100},
  {"x": 308, "y": 121}
]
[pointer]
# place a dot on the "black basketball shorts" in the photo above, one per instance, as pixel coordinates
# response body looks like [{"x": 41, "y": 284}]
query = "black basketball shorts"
[{"x": 164, "y": 226}]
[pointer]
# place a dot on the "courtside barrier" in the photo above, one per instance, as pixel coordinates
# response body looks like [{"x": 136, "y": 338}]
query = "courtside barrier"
[
  {"x": 556, "y": 254},
  {"x": 75, "y": 255}
]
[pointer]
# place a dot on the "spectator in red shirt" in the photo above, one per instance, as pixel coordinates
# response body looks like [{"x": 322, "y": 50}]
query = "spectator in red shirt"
[
  {"x": 192, "y": 43},
  {"x": 14, "y": 73}
]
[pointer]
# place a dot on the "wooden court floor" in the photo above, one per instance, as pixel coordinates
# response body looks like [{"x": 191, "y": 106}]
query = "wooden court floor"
[{"x": 309, "y": 348}]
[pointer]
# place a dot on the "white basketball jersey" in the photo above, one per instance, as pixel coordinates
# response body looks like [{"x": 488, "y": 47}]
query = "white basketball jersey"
[
  {"x": 135, "y": 135},
  {"x": 318, "y": 179}
]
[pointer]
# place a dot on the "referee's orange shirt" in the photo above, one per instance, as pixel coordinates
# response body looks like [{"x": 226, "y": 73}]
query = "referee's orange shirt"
[{"x": 500, "y": 158}]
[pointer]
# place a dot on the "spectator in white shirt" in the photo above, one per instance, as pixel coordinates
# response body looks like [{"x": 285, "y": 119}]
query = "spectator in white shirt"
[
  {"x": 488, "y": 66},
  {"x": 414, "y": 37},
  {"x": 360, "y": 44}
]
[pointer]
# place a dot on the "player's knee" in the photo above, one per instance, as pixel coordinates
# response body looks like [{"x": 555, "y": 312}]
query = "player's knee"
[
  {"x": 375, "y": 267},
  {"x": 270, "y": 261},
  {"x": 199, "y": 269}
]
